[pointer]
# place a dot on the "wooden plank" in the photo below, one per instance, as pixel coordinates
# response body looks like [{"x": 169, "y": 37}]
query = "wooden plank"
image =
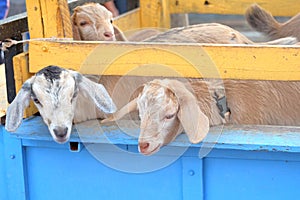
[
  {"x": 21, "y": 74},
  {"x": 3, "y": 96},
  {"x": 155, "y": 13},
  {"x": 170, "y": 60},
  {"x": 129, "y": 21},
  {"x": 49, "y": 18},
  {"x": 276, "y": 7},
  {"x": 34, "y": 18}
]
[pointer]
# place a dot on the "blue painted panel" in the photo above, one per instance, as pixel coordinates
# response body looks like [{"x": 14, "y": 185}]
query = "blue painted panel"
[
  {"x": 192, "y": 178},
  {"x": 60, "y": 174},
  {"x": 3, "y": 184},
  {"x": 14, "y": 168},
  {"x": 258, "y": 138},
  {"x": 251, "y": 179},
  {"x": 246, "y": 162}
]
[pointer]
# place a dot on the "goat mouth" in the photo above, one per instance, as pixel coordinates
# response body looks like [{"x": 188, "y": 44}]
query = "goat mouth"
[
  {"x": 149, "y": 153},
  {"x": 61, "y": 140},
  {"x": 109, "y": 39}
]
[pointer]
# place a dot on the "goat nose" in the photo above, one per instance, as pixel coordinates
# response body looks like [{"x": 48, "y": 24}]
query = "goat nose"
[
  {"x": 108, "y": 34},
  {"x": 60, "y": 132},
  {"x": 144, "y": 145}
]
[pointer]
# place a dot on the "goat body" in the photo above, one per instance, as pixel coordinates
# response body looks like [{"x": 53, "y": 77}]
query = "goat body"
[
  {"x": 202, "y": 33},
  {"x": 213, "y": 33},
  {"x": 263, "y": 21},
  {"x": 167, "y": 107},
  {"x": 255, "y": 102}
]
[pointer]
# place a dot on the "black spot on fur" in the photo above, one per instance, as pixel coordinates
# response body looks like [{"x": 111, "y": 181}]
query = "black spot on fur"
[
  {"x": 51, "y": 72},
  {"x": 78, "y": 78},
  {"x": 26, "y": 86}
]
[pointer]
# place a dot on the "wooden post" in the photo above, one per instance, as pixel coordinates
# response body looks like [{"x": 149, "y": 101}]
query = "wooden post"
[
  {"x": 155, "y": 13},
  {"x": 21, "y": 70},
  {"x": 49, "y": 19}
]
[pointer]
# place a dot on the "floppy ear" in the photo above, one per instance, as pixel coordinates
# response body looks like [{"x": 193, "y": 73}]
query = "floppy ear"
[
  {"x": 96, "y": 92},
  {"x": 119, "y": 34},
  {"x": 76, "y": 34},
  {"x": 194, "y": 121},
  {"x": 15, "y": 111},
  {"x": 128, "y": 108}
]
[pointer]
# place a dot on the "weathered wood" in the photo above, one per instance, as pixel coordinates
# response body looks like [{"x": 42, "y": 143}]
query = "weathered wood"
[
  {"x": 276, "y": 7},
  {"x": 155, "y": 13},
  {"x": 129, "y": 21},
  {"x": 49, "y": 19},
  {"x": 192, "y": 60},
  {"x": 21, "y": 74}
]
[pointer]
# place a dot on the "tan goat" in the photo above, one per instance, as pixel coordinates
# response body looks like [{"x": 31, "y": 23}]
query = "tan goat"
[
  {"x": 213, "y": 33},
  {"x": 263, "y": 21},
  {"x": 167, "y": 107},
  {"x": 94, "y": 22}
]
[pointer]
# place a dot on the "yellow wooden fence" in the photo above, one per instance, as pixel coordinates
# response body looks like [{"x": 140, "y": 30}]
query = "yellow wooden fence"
[{"x": 52, "y": 19}]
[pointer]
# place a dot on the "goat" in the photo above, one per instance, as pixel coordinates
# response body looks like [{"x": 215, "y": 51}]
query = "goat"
[
  {"x": 167, "y": 107},
  {"x": 92, "y": 21},
  {"x": 263, "y": 21},
  {"x": 213, "y": 33},
  {"x": 61, "y": 96}
]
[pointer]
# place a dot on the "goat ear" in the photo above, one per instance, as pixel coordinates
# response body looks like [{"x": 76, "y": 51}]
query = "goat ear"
[
  {"x": 194, "y": 121},
  {"x": 119, "y": 34},
  {"x": 15, "y": 111},
  {"x": 76, "y": 34},
  {"x": 96, "y": 92},
  {"x": 128, "y": 108}
]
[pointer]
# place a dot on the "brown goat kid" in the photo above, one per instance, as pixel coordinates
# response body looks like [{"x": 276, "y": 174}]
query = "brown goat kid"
[
  {"x": 263, "y": 21},
  {"x": 167, "y": 107}
]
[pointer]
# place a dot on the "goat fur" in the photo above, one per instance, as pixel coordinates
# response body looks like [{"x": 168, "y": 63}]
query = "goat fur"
[
  {"x": 263, "y": 21},
  {"x": 91, "y": 20},
  {"x": 62, "y": 97},
  {"x": 250, "y": 102},
  {"x": 213, "y": 33}
]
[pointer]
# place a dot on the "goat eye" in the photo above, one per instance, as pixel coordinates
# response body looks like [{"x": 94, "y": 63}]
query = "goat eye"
[
  {"x": 36, "y": 101},
  {"x": 169, "y": 116},
  {"x": 111, "y": 21},
  {"x": 74, "y": 96},
  {"x": 83, "y": 23}
]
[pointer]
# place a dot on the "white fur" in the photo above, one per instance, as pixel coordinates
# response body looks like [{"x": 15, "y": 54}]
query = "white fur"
[{"x": 60, "y": 102}]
